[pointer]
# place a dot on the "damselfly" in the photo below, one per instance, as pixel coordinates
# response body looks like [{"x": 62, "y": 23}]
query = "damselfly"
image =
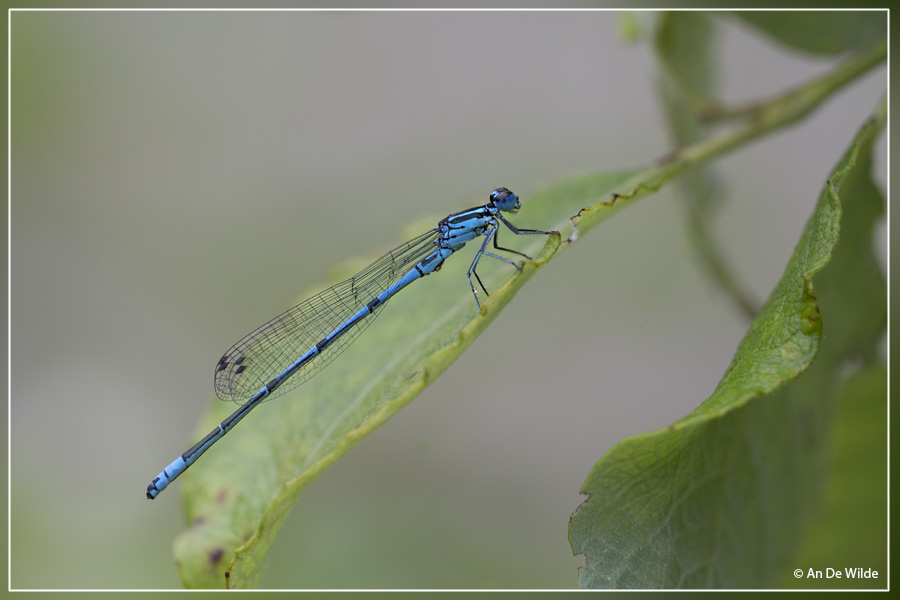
[{"x": 291, "y": 348}]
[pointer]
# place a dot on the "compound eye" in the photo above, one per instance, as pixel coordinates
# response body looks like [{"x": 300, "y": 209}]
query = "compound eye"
[
  {"x": 500, "y": 194},
  {"x": 504, "y": 199}
]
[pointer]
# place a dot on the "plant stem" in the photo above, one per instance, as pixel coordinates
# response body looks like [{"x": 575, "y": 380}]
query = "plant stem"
[
  {"x": 783, "y": 110},
  {"x": 769, "y": 116}
]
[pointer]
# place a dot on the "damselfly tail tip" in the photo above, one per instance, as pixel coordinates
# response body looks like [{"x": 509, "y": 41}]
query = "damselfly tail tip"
[{"x": 152, "y": 490}]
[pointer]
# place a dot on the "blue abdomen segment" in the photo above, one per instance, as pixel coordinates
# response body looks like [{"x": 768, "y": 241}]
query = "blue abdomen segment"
[
  {"x": 166, "y": 476},
  {"x": 180, "y": 464}
]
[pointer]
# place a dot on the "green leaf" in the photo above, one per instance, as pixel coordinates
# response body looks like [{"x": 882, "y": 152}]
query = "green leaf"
[
  {"x": 685, "y": 49},
  {"x": 852, "y": 527},
  {"x": 684, "y": 45},
  {"x": 722, "y": 497},
  {"x": 821, "y": 32},
  {"x": 851, "y": 530},
  {"x": 242, "y": 490}
]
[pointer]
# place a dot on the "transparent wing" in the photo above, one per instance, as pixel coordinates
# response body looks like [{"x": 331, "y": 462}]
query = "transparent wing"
[{"x": 268, "y": 350}]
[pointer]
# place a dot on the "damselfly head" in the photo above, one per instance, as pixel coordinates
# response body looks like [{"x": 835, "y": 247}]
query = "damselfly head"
[{"x": 505, "y": 200}]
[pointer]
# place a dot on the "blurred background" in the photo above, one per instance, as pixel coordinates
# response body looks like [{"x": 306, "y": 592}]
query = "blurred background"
[{"x": 178, "y": 178}]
